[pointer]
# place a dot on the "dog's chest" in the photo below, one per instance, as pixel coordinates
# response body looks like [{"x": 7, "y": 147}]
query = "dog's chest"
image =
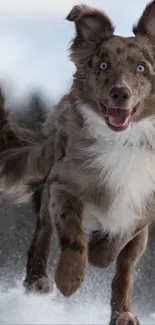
[{"x": 128, "y": 175}]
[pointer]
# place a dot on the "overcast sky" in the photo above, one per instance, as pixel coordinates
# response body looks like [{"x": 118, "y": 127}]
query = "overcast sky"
[{"x": 34, "y": 38}]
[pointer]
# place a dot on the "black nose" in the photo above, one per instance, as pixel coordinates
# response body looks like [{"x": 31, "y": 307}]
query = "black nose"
[{"x": 120, "y": 93}]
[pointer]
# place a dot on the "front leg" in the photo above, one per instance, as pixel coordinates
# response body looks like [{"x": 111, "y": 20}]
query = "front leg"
[
  {"x": 122, "y": 282},
  {"x": 104, "y": 249},
  {"x": 67, "y": 211}
]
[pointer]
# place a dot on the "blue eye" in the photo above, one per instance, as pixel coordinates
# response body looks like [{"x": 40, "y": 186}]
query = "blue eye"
[
  {"x": 103, "y": 66},
  {"x": 141, "y": 68}
]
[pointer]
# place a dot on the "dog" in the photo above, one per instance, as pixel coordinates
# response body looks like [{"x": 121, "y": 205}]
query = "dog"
[{"x": 91, "y": 170}]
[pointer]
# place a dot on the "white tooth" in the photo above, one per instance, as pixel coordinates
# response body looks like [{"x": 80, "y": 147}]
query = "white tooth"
[{"x": 126, "y": 121}]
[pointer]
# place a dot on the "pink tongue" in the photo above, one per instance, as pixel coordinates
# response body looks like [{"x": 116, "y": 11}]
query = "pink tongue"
[{"x": 117, "y": 117}]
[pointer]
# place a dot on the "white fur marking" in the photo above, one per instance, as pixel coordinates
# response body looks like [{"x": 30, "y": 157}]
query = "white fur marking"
[{"x": 126, "y": 166}]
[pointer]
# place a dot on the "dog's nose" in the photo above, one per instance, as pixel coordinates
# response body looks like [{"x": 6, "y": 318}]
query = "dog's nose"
[{"x": 121, "y": 94}]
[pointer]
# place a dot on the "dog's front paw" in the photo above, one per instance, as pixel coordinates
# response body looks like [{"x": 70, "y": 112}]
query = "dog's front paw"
[
  {"x": 70, "y": 272},
  {"x": 41, "y": 285},
  {"x": 125, "y": 318}
]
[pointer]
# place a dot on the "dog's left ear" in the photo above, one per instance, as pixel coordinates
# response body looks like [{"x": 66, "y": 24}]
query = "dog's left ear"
[
  {"x": 146, "y": 23},
  {"x": 90, "y": 23}
]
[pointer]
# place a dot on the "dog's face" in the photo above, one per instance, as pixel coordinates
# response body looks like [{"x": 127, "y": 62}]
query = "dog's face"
[{"x": 116, "y": 73}]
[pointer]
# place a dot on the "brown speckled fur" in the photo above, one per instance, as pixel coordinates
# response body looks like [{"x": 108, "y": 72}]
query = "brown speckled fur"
[{"x": 57, "y": 162}]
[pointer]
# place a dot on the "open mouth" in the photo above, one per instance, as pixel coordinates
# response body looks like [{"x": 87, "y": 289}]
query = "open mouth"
[{"x": 117, "y": 119}]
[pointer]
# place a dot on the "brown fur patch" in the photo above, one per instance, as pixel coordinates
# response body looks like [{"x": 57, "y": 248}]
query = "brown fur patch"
[{"x": 76, "y": 246}]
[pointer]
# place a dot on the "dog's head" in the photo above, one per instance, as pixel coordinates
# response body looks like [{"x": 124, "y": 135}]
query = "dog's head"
[{"x": 116, "y": 73}]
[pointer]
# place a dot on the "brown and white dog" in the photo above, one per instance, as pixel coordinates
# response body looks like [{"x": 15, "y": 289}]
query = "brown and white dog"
[{"x": 95, "y": 160}]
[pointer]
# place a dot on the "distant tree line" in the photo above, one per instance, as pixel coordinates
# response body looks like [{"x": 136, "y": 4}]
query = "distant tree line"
[{"x": 32, "y": 111}]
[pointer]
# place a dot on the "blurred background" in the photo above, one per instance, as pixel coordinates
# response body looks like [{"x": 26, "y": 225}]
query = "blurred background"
[{"x": 35, "y": 72}]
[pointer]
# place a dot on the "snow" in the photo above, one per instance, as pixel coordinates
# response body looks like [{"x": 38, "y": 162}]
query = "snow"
[{"x": 19, "y": 308}]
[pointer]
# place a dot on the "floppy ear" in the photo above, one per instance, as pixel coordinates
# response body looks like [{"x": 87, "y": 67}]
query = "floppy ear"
[
  {"x": 90, "y": 23},
  {"x": 146, "y": 23}
]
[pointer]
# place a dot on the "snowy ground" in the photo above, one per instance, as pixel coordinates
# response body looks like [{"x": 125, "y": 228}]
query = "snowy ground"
[
  {"x": 17, "y": 308},
  {"x": 89, "y": 306}
]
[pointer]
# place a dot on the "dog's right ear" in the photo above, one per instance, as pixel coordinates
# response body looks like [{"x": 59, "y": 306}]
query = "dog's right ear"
[
  {"x": 90, "y": 23},
  {"x": 146, "y": 23}
]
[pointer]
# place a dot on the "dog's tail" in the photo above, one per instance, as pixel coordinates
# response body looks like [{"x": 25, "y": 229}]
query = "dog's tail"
[
  {"x": 21, "y": 166},
  {"x": 13, "y": 135},
  {"x": 25, "y": 156}
]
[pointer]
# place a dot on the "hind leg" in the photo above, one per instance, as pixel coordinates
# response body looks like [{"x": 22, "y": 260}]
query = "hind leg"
[
  {"x": 122, "y": 282},
  {"x": 36, "y": 271}
]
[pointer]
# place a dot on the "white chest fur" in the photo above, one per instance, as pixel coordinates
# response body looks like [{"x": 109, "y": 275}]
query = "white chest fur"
[{"x": 127, "y": 168}]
